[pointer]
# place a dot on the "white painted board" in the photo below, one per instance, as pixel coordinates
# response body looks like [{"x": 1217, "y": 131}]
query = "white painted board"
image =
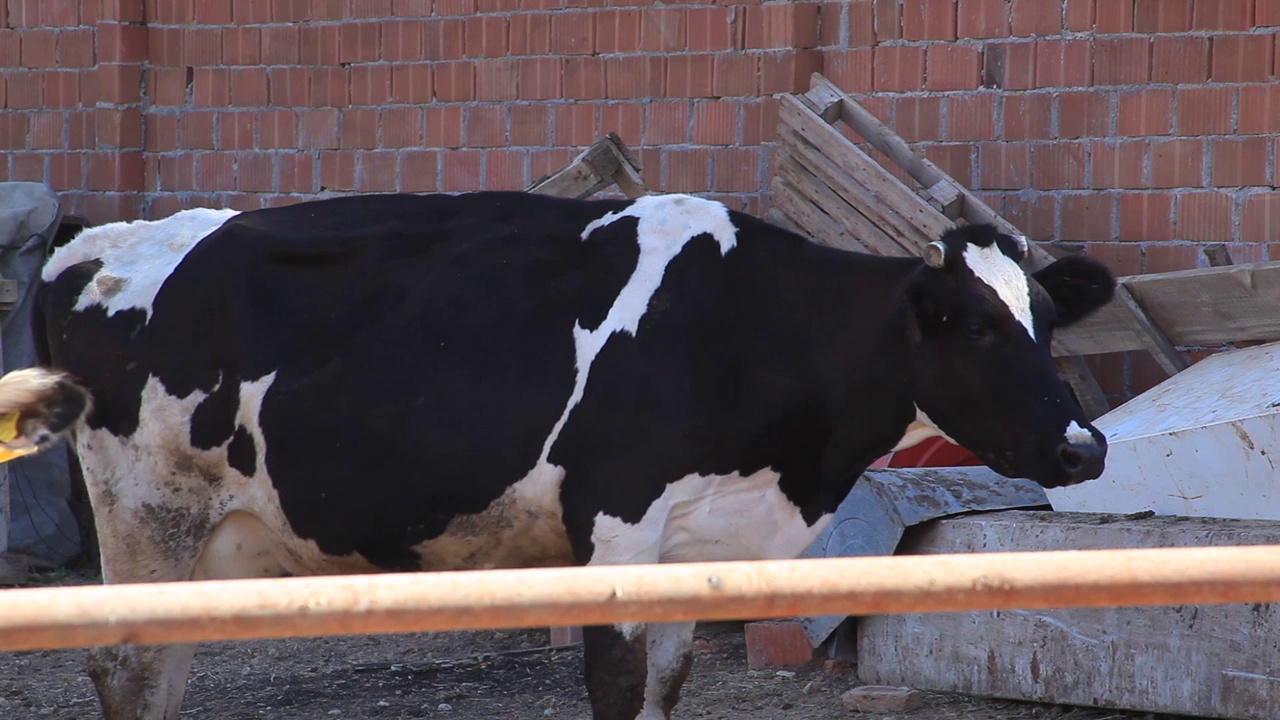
[{"x": 1203, "y": 443}]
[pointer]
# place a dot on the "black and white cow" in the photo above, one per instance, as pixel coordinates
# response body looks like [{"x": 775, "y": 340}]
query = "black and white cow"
[{"x": 504, "y": 380}]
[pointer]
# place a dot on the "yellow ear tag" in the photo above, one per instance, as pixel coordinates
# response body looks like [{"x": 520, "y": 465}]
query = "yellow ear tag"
[{"x": 8, "y": 427}]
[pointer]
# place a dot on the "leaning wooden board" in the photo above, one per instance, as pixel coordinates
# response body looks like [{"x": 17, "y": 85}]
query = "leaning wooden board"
[{"x": 1216, "y": 661}]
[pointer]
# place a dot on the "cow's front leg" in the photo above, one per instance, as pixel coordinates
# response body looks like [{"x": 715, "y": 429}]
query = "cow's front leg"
[
  {"x": 615, "y": 670},
  {"x": 670, "y": 657}
]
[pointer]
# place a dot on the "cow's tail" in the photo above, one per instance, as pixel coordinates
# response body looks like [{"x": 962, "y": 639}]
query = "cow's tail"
[{"x": 37, "y": 406}]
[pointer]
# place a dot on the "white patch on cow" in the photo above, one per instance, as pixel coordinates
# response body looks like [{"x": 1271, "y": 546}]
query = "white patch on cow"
[
  {"x": 1077, "y": 435},
  {"x": 666, "y": 223},
  {"x": 667, "y": 644},
  {"x": 921, "y": 429},
  {"x": 1006, "y": 277},
  {"x": 137, "y": 257}
]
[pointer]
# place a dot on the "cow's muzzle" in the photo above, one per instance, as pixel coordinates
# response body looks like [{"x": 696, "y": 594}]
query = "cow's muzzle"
[{"x": 1081, "y": 461}]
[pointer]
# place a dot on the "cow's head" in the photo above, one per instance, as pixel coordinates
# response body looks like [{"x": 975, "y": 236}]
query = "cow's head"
[{"x": 980, "y": 336}]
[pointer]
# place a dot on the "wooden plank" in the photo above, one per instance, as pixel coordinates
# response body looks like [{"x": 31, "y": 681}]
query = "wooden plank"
[
  {"x": 1206, "y": 306},
  {"x": 945, "y": 195},
  {"x": 867, "y": 234},
  {"x": 903, "y": 214},
  {"x": 1198, "y": 660},
  {"x": 775, "y": 216},
  {"x": 918, "y": 167},
  {"x": 1154, "y": 340},
  {"x": 588, "y": 173},
  {"x": 814, "y": 223}
]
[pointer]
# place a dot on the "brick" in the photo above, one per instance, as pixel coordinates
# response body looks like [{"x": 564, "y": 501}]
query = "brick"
[
  {"x": 1183, "y": 60},
  {"x": 234, "y": 130},
  {"x": 401, "y": 127},
  {"x": 538, "y": 79},
  {"x": 572, "y": 34},
  {"x": 1161, "y": 16},
  {"x": 66, "y": 171},
  {"x": 689, "y": 75},
  {"x": 1267, "y": 14},
  {"x": 1204, "y": 216},
  {"x": 39, "y": 48},
  {"x": 792, "y": 25},
  {"x": 1121, "y": 61},
  {"x": 255, "y": 172},
  {"x": 47, "y": 131},
  {"x": 505, "y": 169},
  {"x": 119, "y": 128},
  {"x": 1078, "y": 15},
  {"x": 1113, "y": 16},
  {"x": 162, "y": 132},
  {"x": 1238, "y": 162},
  {"x": 624, "y": 119},
  {"x": 780, "y": 643},
  {"x": 419, "y": 171},
  {"x": 24, "y": 89},
  {"x": 1084, "y": 113},
  {"x": 1034, "y": 214},
  {"x": 1036, "y": 17},
  {"x": 1058, "y": 166},
  {"x": 486, "y": 125},
  {"x": 281, "y": 45},
  {"x": 412, "y": 84},
  {"x": 1177, "y": 163},
  {"x": 881, "y": 699},
  {"x": 1028, "y": 117},
  {"x": 115, "y": 171},
  {"x": 251, "y": 12},
  {"x": 289, "y": 87},
  {"x": 788, "y": 71},
  {"x": 318, "y": 44},
  {"x": 954, "y": 160},
  {"x": 445, "y": 39},
  {"x": 715, "y": 122},
  {"x": 442, "y": 127},
  {"x": 861, "y": 22},
  {"x": 200, "y": 46},
  {"x": 1064, "y": 63},
  {"x": 402, "y": 41},
  {"x": 662, "y": 30},
  {"x": 1145, "y": 112},
  {"x": 1088, "y": 217},
  {"x": 118, "y": 43},
  {"x": 1004, "y": 166},
  {"x": 635, "y": 76},
  {"x": 616, "y": 31},
  {"x": 278, "y": 129},
  {"x": 668, "y": 123},
  {"x": 575, "y": 125},
  {"x": 359, "y": 42},
  {"x": 1145, "y": 216},
  {"x": 75, "y": 49},
  {"x": 1222, "y": 14},
  {"x": 338, "y": 170},
  {"x": 971, "y": 117},
  {"x": 176, "y": 172},
  {"x": 28, "y": 167},
  {"x": 831, "y": 23},
  {"x": 760, "y": 122},
  {"x": 531, "y": 125},
  {"x": 898, "y": 68},
  {"x": 210, "y": 87},
  {"x": 952, "y": 67},
  {"x": 61, "y": 13},
  {"x": 248, "y": 87},
  {"x": 1009, "y": 66},
  {"x": 485, "y": 36},
  {"x": 371, "y": 84},
  {"x": 929, "y": 20},
  {"x": 982, "y": 18},
  {"x": 710, "y": 29},
  {"x": 61, "y": 89},
  {"x": 359, "y": 128},
  {"x": 888, "y": 20},
  {"x": 197, "y": 130},
  {"x": 1204, "y": 110},
  {"x": 1260, "y": 218},
  {"x": 918, "y": 118},
  {"x": 1241, "y": 58},
  {"x": 243, "y": 46},
  {"x": 455, "y": 81},
  {"x": 738, "y": 74},
  {"x": 330, "y": 87},
  {"x": 318, "y": 129},
  {"x": 1260, "y": 108}
]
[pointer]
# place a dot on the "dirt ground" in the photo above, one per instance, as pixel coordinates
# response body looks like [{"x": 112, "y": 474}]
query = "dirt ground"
[{"x": 446, "y": 675}]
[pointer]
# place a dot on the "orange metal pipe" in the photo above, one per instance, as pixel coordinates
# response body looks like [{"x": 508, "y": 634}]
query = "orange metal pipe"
[{"x": 412, "y": 602}]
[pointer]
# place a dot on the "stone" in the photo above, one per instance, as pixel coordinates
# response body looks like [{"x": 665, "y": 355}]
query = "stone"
[{"x": 881, "y": 699}]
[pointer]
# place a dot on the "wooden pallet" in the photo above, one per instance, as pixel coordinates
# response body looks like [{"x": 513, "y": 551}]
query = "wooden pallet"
[
  {"x": 606, "y": 163},
  {"x": 830, "y": 189}
]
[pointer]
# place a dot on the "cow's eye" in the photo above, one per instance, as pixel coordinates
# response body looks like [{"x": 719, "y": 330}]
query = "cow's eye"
[{"x": 977, "y": 330}]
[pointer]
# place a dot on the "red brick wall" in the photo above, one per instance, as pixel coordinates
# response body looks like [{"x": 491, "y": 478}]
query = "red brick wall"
[{"x": 1141, "y": 127}]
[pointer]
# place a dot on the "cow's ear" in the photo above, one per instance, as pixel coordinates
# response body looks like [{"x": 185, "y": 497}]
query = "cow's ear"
[{"x": 1077, "y": 285}]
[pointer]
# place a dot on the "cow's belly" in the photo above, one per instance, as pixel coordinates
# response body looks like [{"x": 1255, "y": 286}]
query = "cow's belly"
[{"x": 710, "y": 518}]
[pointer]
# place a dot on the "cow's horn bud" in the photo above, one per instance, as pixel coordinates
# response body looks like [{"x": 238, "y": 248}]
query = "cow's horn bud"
[{"x": 934, "y": 254}]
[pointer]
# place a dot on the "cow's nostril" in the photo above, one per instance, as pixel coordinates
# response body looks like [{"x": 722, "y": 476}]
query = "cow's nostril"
[{"x": 1071, "y": 457}]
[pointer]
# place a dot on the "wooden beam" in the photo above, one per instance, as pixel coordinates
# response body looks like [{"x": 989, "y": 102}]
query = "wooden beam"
[
  {"x": 165, "y": 613},
  {"x": 1154, "y": 340},
  {"x": 606, "y": 162}
]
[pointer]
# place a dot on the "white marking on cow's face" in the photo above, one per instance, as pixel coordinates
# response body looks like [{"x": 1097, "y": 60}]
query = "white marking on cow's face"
[
  {"x": 137, "y": 257},
  {"x": 666, "y": 223},
  {"x": 1006, "y": 277},
  {"x": 1077, "y": 435},
  {"x": 921, "y": 429}
]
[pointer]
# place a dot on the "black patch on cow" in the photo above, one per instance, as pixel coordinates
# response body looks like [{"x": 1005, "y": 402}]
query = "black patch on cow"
[
  {"x": 214, "y": 419},
  {"x": 242, "y": 454},
  {"x": 612, "y": 246}
]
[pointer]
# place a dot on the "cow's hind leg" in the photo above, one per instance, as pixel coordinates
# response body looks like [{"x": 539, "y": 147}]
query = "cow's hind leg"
[
  {"x": 615, "y": 669},
  {"x": 670, "y": 650}
]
